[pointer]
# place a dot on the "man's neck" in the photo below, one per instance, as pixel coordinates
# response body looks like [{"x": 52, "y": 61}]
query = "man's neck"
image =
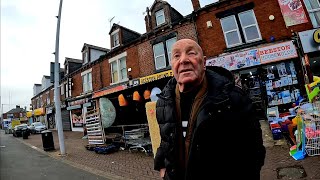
[{"x": 185, "y": 88}]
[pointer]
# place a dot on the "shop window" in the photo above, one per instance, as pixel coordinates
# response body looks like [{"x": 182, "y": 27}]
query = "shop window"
[
  {"x": 160, "y": 18},
  {"x": 162, "y": 53},
  {"x": 313, "y": 7},
  {"x": 87, "y": 81},
  {"x": 118, "y": 68},
  {"x": 115, "y": 39},
  {"x": 281, "y": 84},
  {"x": 240, "y": 28}
]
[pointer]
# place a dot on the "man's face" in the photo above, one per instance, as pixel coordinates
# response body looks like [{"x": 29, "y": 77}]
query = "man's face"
[{"x": 187, "y": 64}]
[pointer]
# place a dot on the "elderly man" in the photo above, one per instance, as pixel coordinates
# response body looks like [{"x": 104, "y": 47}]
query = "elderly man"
[{"x": 207, "y": 124}]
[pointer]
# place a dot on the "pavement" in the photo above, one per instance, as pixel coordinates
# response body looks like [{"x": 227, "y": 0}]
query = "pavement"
[{"x": 139, "y": 166}]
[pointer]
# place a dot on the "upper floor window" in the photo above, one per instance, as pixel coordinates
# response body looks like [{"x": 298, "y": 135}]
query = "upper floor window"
[
  {"x": 240, "y": 28},
  {"x": 48, "y": 98},
  {"x": 87, "y": 80},
  {"x": 160, "y": 18},
  {"x": 85, "y": 56},
  {"x": 162, "y": 53},
  {"x": 115, "y": 38},
  {"x": 62, "y": 89},
  {"x": 119, "y": 68},
  {"x": 313, "y": 7}
]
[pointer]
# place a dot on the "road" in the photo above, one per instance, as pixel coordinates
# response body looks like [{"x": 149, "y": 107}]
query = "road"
[{"x": 19, "y": 161}]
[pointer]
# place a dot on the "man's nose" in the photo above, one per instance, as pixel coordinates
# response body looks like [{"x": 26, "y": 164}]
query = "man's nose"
[{"x": 184, "y": 58}]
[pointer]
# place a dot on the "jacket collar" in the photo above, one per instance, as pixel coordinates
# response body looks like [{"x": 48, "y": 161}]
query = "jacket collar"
[{"x": 220, "y": 83}]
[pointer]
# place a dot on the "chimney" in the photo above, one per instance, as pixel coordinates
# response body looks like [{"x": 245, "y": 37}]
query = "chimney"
[
  {"x": 17, "y": 106},
  {"x": 147, "y": 19},
  {"x": 195, "y": 4}
]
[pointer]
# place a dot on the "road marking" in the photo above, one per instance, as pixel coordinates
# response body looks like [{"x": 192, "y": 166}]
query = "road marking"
[{"x": 33, "y": 147}]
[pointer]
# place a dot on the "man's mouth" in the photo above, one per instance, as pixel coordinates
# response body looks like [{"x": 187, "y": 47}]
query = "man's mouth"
[{"x": 185, "y": 70}]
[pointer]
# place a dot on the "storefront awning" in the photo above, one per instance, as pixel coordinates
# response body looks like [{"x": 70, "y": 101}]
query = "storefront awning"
[
  {"x": 39, "y": 112},
  {"x": 29, "y": 114},
  {"x": 109, "y": 91}
]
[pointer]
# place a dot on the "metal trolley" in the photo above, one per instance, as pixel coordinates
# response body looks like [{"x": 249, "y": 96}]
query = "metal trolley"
[{"x": 311, "y": 128}]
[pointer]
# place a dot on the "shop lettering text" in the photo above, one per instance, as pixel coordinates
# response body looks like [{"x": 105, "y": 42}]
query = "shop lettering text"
[
  {"x": 157, "y": 76},
  {"x": 274, "y": 50},
  {"x": 254, "y": 57}
]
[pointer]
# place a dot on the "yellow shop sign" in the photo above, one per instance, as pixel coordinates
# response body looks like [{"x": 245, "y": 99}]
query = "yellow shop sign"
[
  {"x": 39, "y": 112},
  {"x": 155, "y": 77}
]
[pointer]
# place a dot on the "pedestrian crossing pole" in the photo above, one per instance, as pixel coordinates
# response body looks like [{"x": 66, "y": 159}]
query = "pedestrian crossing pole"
[{"x": 56, "y": 88}]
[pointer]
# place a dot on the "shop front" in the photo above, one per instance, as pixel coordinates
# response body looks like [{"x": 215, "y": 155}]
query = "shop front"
[
  {"x": 29, "y": 116},
  {"x": 40, "y": 115},
  {"x": 77, "y": 108},
  {"x": 310, "y": 41},
  {"x": 267, "y": 73},
  {"x": 129, "y": 100},
  {"x": 51, "y": 123}
]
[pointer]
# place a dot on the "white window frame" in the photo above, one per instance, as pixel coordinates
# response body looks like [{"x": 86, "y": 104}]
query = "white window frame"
[
  {"x": 116, "y": 60},
  {"x": 85, "y": 56},
  {"x": 155, "y": 57},
  {"x": 245, "y": 40},
  {"x": 169, "y": 49},
  {"x": 255, "y": 24},
  {"x": 159, "y": 14},
  {"x": 311, "y": 11},
  {"x": 226, "y": 32},
  {"x": 113, "y": 34},
  {"x": 86, "y": 81},
  {"x": 48, "y": 98},
  {"x": 62, "y": 89}
]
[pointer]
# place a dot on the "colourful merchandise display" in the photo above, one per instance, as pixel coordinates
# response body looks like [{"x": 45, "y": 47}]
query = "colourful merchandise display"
[{"x": 313, "y": 89}]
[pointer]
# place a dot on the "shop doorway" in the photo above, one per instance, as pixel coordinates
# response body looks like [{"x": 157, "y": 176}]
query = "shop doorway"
[{"x": 252, "y": 84}]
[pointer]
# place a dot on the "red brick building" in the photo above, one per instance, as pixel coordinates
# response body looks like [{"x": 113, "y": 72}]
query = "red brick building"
[{"x": 253, "y": 40}]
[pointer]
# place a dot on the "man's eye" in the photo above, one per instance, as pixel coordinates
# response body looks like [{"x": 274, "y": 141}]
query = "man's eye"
[
  {"x": 192, "y": 53},
  {"x": 176, "y": 56}
]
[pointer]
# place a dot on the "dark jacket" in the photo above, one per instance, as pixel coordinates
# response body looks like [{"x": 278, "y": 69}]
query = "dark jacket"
[{"x": 226, "y": 140}]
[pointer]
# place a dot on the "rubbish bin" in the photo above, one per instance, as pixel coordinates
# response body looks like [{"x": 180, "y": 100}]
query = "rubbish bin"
[
  {"x": 25, "y": 134},
  {"x": 47, "y": 140}
]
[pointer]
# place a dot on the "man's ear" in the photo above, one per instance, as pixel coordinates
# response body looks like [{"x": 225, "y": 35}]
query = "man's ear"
[{"x": 204, "y": 61}]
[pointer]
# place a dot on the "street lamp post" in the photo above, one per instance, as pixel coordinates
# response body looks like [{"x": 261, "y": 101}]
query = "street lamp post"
[{"x": 56, "y": 87}]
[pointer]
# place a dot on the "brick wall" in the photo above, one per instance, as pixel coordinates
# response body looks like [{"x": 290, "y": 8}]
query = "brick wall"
[
  {"x": 96, "y": 77},
  {"x": 145, "y": 50},
  {"x": 212, "y": 39},
  {"x": 77, "y": 85},
  {"x": 132, "y": 62}
]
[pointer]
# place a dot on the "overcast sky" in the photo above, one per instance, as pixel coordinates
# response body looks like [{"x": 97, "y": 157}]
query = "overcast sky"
[{"x": 28, "y": 31}]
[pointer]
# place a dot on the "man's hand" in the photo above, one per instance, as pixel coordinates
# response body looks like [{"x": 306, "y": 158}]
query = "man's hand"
[{"x": 162, "y": 172}]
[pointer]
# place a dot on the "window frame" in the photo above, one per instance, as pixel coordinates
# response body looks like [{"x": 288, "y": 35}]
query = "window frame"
[
  {"x": 116, "y": 59},
  {"x": 237, "y": 30},
  {"x": 242, "y": 36},
  {"x": 86, "y": 81},
  {"x": 312, "y": 13},
  {"x": 166, "y": 52},
  {"x": 115, "y": 33},
  {"x": 169, "y": 51},
  {"x": 85, "y": 55},
  {"x": 256, "y": 25},
  {"x": 162, "y": 55},
  {"x": 159, "y": 13}
]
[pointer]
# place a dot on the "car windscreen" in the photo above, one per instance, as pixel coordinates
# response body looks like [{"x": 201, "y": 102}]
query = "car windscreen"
[{"x": 38, "y": 124}]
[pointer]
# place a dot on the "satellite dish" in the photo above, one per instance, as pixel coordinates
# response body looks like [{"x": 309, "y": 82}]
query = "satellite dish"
[
  {"x": 154, "y": 93},
  {"x": 107, "y": 111}
]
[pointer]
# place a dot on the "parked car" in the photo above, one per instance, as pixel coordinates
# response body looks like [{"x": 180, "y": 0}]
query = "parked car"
[
  {"x": 19, "y": 129},
  {"x": 37, "y": 127}
]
